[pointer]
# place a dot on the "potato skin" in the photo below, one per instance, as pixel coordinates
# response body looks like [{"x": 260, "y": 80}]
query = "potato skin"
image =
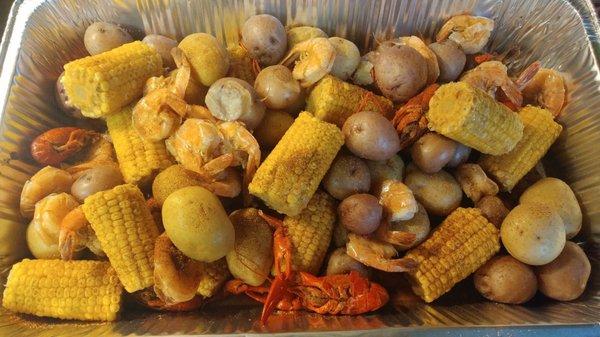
[
  {"x": 272, "y": 127},
  {"x": 391, "y": 169},
  {"x": 252, "y": 255},
  {"x": 347, "y": 175},
  {"x": 533, "y": 234},
  {"x": 564, "y": 279},
  {"x": 371, "y": 136},
  {"x": 439, "y": 192},
  {"x": 96, "y": 179},
  {"x": 196, "y": 222},
  {"x": 493, "y": 209},
  {"x": 400, "y": 72},
  {"x": 265, "y": 38},
  {"x": 360, "y": 213},
  {"x": 505, "y": 279},
  {"x": 432, "y": 152},
  {"x": 556, "y": 194},
  {"x": 170, "y": 180}
]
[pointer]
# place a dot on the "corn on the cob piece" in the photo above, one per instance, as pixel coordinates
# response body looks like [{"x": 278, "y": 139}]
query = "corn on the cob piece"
[
  {"x": 291, "y": 174},
  {"x": 462, "y": 243},
  {"x": 214, "y": 275},
  {"x": 334, "y": 100},
  {"x": 240, "y": 64},
  {"x": 126, "y": 230},
  {"x": 139, "y": 159},
  {"x": 310, "y": 233},
  {"x": 85, "y": 290},
  {"x": 471, "y": 117},
  {"x": 539, "y": 134},
  {"x": 103, "y": 84}
]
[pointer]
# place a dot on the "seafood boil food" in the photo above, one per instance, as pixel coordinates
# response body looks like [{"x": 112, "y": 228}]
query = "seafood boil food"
[{"x": 295, "y": 171}]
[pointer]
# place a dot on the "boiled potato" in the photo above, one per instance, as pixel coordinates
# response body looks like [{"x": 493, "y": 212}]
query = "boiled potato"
[
  {"x": 371, "y": 136},
  {"x": 533, "y": 234},
  {"x": 104, "y": 36},
  {"x": 347, "y": 57},
  {"x": 340, "y": 235},
  {"x": 461, "y": 155},
  {"x": 391, "y": 169},
  {"x": 557, "y": 195},
  {"x": 451, "y": 59},
  {"x": 277, "y": 87},
  {"x": 439, "y": 193},
  {"x": 272, "y": 128},
  {"x": 564, "y": 279},
  {"x": 252, "y": 255},
  {"x": 163, "y": 45},
  {"x": 504, "y": 279},
  {"x": 493, "y": 209},
  {"x": 232, "y": 99},
  {"x": 196, "y": 222},
  {"x": 96, "y": 179},
  {"x": 299, "y": 34},
  {"x": 209, "y": 60},
  {"x": 432, "y": 152},
  {"x": 418, "y": 225},
  {"x": 360, "y": 213},
  {"x": 347, "y": 175},
  {"x": 340, "y": 263},
  {"x": 400, "y": 72},
  {"x": 170, "y": 180},
  {"x": 265, "y": 39}
]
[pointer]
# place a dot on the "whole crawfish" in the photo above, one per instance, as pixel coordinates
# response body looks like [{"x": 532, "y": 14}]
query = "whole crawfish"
[
  {"x": 56, "y": 145},
  {"x": 349, "y": 294},
  {"x": 410, "y": 121}
]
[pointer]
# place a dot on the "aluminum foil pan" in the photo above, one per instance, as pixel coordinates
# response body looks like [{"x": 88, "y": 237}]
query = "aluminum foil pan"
[{"x": 42, "y": 35}]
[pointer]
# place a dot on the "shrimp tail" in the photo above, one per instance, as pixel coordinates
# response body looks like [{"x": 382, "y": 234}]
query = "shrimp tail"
[{"x": 67, "y": 242}]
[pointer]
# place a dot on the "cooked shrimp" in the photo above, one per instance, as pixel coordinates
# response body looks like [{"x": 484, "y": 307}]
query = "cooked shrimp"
[
  {"x": 59, "y": 144},
  {"x": 315, "y": 59},
  {"x": 471, "y": 33},
  {"x": 199, "y": 146},
  {"x": 45, "y": 182},
  {"x": 160, "y": 112},
  {"x": 377, "y": 254},
  {"x": 433, "y": 69},
  {"x": 401, "y": 238},
  {"x": 243, "y": 146},
  {"x": 176, "y": 276},
  {"x": 397, "y": 200},
  {"x": 76, "y": 233},
  {"x": 546, "y": 89},
  {"x": 227, "y": 184},
  {"x": 49, "y": 213},
  {"x": 491, "y": 75}
]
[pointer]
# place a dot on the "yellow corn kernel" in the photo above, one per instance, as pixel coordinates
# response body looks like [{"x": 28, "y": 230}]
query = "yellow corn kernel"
[
  {"x": 539, "y": 134},
  {"x": 126, "y": 230},
  {"x": 457, "y": 248},
  {"x": 471, "y": 117},
  {"x": 310, "y": 232},
  {"x": 85, "y": 290},
  {"x": 240, "y": 65},
  {"x": 291, "y": 174},
  {"x": 105, "y": 83},
  {"x": 214, "y": 275},
  {"x": 139, "y": 159},
  {"x": 333, "y": 100}
]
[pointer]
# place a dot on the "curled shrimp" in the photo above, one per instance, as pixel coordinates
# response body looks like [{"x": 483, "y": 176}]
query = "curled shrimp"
[
  {"x": 176, "y": 276},
  {"x": 433, "y": 68},
  {"x": 377, "y": 254},
  {"x": 243, "y": 146},
  {"x": 314, "y": 59},
  {"x": 471, "y": 33},
  {"x": 49, "y": 213},
  {"x": 546, "y": 89},
  {"x": 160, "y": 112},
  {"x": 397, "y": 200},
  {"x": 395, "y": 237},
  {"x": 76, "y": 233},
  {"x": 489, "y": 77},
  {"x": 45, "y": 182},
  {"x": 59, "y": 144}
]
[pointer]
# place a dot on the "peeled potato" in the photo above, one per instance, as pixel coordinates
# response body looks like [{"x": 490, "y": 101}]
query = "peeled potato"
[
  {"x": 533, "y": 234},
  {"x": 439, "y": 192},
  {"x": 556, "y": 194},
  {"x": 506, "y": 280},
  {"x": 196, "y": 222},
  {"x": 564, "y": 279}
]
